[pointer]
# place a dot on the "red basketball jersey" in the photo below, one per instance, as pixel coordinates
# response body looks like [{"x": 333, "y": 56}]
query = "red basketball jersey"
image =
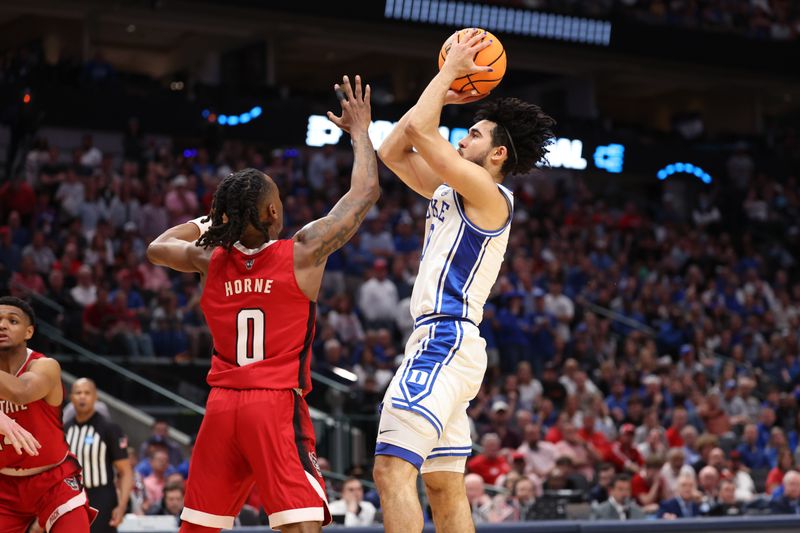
[
  {"x": 261, "y": 322},
  {"x": 43, "y": 421}
]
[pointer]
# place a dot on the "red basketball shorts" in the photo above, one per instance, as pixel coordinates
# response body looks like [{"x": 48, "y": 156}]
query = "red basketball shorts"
[
  {"x": 47, "y": 497},
  {"x": 260, "y": 436}
]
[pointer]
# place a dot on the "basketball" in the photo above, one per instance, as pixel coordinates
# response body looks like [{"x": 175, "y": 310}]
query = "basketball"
[{"x": 493, "y": 55}]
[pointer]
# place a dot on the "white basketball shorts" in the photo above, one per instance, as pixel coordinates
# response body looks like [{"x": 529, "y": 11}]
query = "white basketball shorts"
[{"x": 424, "y": 412}]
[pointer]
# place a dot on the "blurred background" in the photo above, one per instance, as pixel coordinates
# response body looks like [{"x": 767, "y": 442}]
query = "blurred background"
[{"x": 647, "y": 318}]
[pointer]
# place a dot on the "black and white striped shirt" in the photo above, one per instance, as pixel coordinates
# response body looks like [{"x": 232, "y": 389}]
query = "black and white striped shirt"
[{"x": 97, "y": 443}]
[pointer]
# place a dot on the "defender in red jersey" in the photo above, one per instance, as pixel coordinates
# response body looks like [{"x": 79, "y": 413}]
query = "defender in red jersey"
[
  {"x": 259, "y": 299},
  {"x": 44, "y": 485}
]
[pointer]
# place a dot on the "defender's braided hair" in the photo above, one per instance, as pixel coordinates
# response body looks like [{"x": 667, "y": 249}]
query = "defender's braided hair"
[
  {"x": 529, "y": 128},
  {"x": 238, "y": 198}
]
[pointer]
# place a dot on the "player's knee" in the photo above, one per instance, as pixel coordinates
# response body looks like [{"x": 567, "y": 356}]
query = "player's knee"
[
  {"x": 392, "y": 472},
  {"x": 443, "y": 486}
]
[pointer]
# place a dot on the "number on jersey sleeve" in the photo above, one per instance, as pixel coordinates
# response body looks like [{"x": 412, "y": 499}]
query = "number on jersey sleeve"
[{"x": 249, "y": 336}]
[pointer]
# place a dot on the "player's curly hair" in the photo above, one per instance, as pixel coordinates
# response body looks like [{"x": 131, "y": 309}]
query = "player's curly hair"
[
  {"x": 530, "y": 129},
  {"x": 238, "y": 198},
  {"x": 22, "y": 305}
]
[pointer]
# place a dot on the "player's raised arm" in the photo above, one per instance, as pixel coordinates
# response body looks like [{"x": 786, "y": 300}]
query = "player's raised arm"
[
  {"x": 317, "y": 240},
  {"x": 397, "y": 151},
  {"x": 471, "y": 180},
  {"x": 176, "y": 249}
]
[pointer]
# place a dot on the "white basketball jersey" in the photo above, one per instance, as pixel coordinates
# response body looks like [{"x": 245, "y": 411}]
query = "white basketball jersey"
[{"x": 460, "y": 261}]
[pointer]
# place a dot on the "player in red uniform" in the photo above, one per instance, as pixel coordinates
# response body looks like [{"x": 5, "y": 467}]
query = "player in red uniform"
[
  {"x": 45, "y": 485},
  {"x": 259, "y": 298}
]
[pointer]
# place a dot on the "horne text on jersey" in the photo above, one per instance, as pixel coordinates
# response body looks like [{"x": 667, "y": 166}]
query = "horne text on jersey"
[{"x": 244, "y": 285}]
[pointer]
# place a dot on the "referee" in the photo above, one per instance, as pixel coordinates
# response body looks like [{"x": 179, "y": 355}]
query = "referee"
[{"x": 101, "y": 449}]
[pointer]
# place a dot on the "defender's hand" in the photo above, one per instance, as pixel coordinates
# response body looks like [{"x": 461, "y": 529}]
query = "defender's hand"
[{"x": 356, "y": 110}]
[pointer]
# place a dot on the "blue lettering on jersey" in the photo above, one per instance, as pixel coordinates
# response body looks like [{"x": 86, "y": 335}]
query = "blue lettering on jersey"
[{"x": 437, "y": 211}]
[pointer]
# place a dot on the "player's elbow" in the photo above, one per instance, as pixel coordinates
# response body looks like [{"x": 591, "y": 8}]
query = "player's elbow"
[
  {"x": 368, "y": 194},
  {"x": 374, "y": 194},
  {"x": 387, "y": 153},
  {"x": 154, "y": 252},
  {"x": 17, "y": 395},
  {"x": 413, "y": 130}
]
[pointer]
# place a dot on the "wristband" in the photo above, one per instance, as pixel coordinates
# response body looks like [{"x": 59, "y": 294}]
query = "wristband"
[{"x": 202, "y": 226}]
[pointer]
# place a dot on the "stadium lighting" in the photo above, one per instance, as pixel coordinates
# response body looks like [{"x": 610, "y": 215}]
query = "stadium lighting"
[
  {"x": 684, "y": 168},
  {"x": 233, "y": 119},
  {"x": 501, "y": 19}
]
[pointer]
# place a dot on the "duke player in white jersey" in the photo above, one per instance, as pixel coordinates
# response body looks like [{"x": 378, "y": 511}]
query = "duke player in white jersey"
[{"x": 424, "y": 425}]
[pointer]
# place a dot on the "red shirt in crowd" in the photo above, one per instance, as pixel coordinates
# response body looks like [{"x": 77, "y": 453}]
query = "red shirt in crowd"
[
  {"x": 674, "y": 437},
  {"x": 641, "y": 486},
  {"x": 618, "y": 454},
  {"x": 488, "y": 469},
  {"x": 554, "y": 435},
  {"x": 596, "y": 439}
]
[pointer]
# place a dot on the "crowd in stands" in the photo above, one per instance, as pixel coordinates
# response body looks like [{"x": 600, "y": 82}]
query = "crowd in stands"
[{"x": 638, "y": 348}]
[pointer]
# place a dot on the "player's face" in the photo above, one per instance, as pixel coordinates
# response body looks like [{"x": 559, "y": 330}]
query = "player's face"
[
  {"x": 475, "y": 147},
  {"x": 15, "y": 328}
]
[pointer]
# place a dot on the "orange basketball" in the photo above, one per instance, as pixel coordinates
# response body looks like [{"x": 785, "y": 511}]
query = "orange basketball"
[{"x": 493, "y": 55}]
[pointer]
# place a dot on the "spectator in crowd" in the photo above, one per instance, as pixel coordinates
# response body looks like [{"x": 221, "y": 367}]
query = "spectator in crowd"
[
  {"x": 480, "y": 503},
  {"x": 376, "y": 240},
  {"x": 352, "y": 509},
  {"x": 619, "y": 505},
  {"x": 70, "y": 194},
  {"x": 322, "y": 168},
  {"x": 345, "y": 321},
  {"x": 181, "y": 203},
  {"x": 540, "y": 455},
  {"x": 582, "y": 453},
  {"x": 605, "y": 476},
  {"x": 654, "y": 445},
  {"x": 680, "y": 418},
  {"x": 752, "y": 453},
  {"x": 673, "y": 469},
  {"x": 727, "y": 504},
  {"x": 524, "y": 495},
  {"x": 489, "y": 464},
  {"x": 785, "y": 464},
  {"x": 90, "y": 155},
  {"x": 26, "y": 280},
  {"x": 154, "y": 483},
  {"x": 789, "y": 501},
  {"x": 708, "y": 479},
  {"x": 377, "y": 299},
  {"x": 561, "y": 307},
  {"x": 499, "y": 423},
  {"x": 683, "y": 505},
  {"x": 171, "y": 503},
  {"x": 689, "y": 435},
  {"x": 42, "y": 255},
  {"x": 742, "y": 480},
  {"x": 623, "y": 454},
  {"x": 159, "y": 434},
  {"x": 648, "y": 486}
]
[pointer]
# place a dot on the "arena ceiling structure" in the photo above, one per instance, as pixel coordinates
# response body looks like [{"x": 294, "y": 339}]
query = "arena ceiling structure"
[{"x": 300, "y": 48}]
